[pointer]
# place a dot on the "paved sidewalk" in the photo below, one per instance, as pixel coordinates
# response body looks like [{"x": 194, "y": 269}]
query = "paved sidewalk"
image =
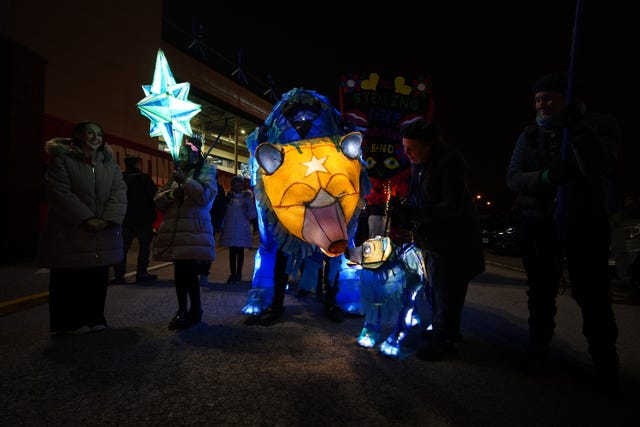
[{"x": 25, "y": 285}]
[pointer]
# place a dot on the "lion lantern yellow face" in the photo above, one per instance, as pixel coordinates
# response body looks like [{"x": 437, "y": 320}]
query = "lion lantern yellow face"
[{"x": 314, "y": 187}]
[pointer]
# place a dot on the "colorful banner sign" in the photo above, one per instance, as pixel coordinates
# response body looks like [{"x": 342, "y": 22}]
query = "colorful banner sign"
[{"x": 379, "y": 104}]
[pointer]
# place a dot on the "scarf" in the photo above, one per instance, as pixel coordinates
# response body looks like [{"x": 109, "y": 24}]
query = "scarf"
[{"x": 552, "y": 122}]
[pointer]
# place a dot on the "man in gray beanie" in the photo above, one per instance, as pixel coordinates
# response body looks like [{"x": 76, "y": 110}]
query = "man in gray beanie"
[
  {"x": 542, "y": 163},
  {"x": 552, "y": 82}
]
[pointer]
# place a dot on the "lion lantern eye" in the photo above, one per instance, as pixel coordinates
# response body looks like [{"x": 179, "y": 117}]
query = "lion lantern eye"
[
  {"x": 269, "y": 157},
  {"x": 367, "y": 249},
  {"x": 350, "y": 145}
]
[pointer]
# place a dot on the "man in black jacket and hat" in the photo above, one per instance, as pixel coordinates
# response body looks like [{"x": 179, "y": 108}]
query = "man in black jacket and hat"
[
  {"x": 561, "y": 205},
  {"x": 138, "y": 221},
  {"x": 446, "y": 226}
]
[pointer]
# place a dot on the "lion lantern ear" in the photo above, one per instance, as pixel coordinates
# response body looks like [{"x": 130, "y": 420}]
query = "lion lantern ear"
[
  {"x": 350, "y": 144},
  {"x": 269, "y": 157}
]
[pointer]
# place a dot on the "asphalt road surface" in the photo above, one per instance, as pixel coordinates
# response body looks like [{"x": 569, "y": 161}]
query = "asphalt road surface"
[{"x": 305, "y": 370}]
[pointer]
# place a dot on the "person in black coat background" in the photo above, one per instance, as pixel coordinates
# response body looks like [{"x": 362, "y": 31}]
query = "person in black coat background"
[
  {"x": 138, "y": 222},
  {"x": 446, "y": 226}
]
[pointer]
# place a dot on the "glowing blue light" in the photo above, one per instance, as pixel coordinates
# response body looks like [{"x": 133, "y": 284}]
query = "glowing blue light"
[
  {"x": 368, "y": 338},
  {"x": 166, "y": 105}
]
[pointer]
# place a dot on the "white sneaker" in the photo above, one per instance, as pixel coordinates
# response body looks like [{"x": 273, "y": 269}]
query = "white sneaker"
[
  {"x": 84, "y": 329},
  {"x": 204, "y": 280},
  {"x": 98, "y": 328}
]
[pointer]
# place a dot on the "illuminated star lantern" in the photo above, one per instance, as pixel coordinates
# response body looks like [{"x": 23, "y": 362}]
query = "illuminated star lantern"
[{"x": 166, "y": 105}]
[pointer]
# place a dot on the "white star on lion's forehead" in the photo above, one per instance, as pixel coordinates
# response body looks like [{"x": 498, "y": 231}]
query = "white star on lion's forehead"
[{"x": 315, "y": 165}]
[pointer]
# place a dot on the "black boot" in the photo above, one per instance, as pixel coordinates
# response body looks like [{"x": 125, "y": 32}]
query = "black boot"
[
  {"x": 535, "y": 359},
  {"x": 194, "y": 316},
  {"x": 331, "y": 309},
  {"x": 180, "y": 320},
  {"x": 334, "y": 313},
  {"x": 536, "y": 356},
  {"x": 607, "y": 382},
  {"x": 437, "y": 349},
  {"x": 271, "y": 315}
]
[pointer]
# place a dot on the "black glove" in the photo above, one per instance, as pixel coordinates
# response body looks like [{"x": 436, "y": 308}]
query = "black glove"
[
  {"x": 176, "y": 194},
  {"x": 556, "y": 173},
  {"x": 571, "y": 114},
  {"x": 574, "y": 120},
  {"x": 404, "y": 216},
  {"x": 179, "y": 176}
]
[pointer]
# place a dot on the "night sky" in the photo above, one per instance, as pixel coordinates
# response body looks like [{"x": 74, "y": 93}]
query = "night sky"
[{"x": 481, "y": 60}]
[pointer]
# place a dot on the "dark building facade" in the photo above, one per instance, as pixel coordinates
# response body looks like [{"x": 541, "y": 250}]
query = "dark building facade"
[{"x": 81, "y": 60}]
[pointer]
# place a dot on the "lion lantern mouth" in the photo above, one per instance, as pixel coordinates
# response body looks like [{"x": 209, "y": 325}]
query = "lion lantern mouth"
[{"x": 313, "y": 187}]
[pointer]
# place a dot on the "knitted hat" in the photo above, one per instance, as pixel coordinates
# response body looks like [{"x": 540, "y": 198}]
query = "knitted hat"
[
  {"x": 420, "y": 129},
  {"x": 197, "y": 139},
  {"x": 553, "y": 82},
  {"x": 131, "y": 162}
]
